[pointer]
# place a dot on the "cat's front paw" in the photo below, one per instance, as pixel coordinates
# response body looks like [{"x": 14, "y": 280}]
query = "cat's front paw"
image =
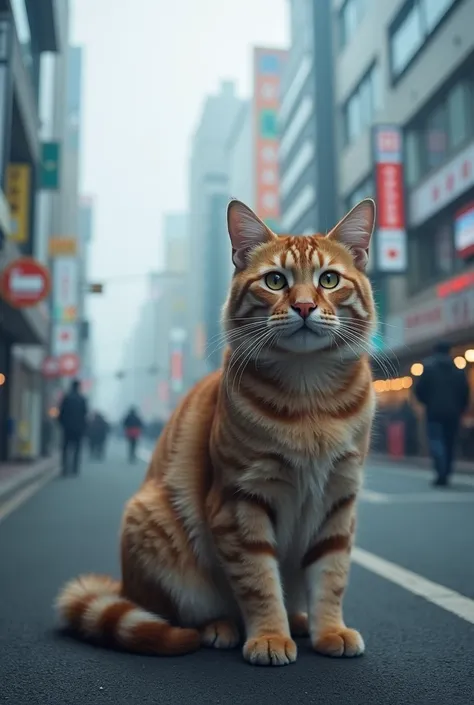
[
  {"x": 338, "y": 642},
  {"x": 270, "y": 650}
]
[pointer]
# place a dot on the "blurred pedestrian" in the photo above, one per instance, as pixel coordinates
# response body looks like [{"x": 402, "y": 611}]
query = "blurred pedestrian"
[
  {"x": 443, "y": 389},
  {"x": 97, "y": 432},
  {"x": 133, "y": 426},
  {"x": 73, "y": 421}
]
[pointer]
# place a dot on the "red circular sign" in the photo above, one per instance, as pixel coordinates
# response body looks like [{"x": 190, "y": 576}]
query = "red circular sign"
[
  {"x": 24, "y": 282},
  {"x": 50, "y": 367},
  {"x": 69, "y": 365}
]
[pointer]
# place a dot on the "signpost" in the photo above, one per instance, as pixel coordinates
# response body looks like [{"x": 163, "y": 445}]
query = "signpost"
[{"x": 24, "y": 283}]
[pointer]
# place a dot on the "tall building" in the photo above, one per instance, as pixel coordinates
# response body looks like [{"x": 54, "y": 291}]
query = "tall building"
[
  {"x": 28, "y": 31},
  {"x": 208, "y": 196},
  {"x": 306, "y": 122},
  {"x": 407, "y": 67}
]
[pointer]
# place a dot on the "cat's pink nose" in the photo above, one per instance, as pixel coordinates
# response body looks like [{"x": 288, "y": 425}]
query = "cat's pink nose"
[{"x": 303, "y": 308}]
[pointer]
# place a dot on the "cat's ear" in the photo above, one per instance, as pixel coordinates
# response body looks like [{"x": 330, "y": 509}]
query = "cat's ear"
[
  {"x": 246, "y": 232},
  {"x": 355, "y": 231}
]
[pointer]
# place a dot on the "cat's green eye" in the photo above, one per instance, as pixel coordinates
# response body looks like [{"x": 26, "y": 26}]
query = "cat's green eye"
[
  {"x": 329, "y": 280},
  {"x": 275, "y": 281}
]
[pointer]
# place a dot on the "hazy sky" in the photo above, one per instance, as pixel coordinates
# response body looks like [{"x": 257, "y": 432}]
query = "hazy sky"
[{"x": 148, "y": 66}]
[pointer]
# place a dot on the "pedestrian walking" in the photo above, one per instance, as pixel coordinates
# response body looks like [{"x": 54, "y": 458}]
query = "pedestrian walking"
[
  {"x": 97, "y": 432},
  {"x": 443, "y": 389},
  {"x": 73, "y": 421},
  {"x": 133, "y": 426}
]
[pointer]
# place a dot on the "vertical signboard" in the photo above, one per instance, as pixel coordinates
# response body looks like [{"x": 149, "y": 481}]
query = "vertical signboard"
[
  {"x": 65, "y": 289},
  {"x": 464, "y": 231},
  {"x": 390, "y": 241},
  {"x": 268, "y": 68},
  {"x": 49, "y": 167},
  {"x": 18, "y": 180}
]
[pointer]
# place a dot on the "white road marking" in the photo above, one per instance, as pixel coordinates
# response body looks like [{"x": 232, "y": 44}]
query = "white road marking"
[
  {"x": 433, "y": 497},
  {"x": 439, "y": 595},
  {"x": 25, "y": 494}
]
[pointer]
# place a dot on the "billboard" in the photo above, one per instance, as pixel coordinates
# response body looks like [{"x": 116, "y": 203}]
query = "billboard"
[
  {"x": 464, "y": 231},
  {"x": 18, "y": 189},
  {"x": 268, "y": 65},
  {"x": 391, "y": 239}
]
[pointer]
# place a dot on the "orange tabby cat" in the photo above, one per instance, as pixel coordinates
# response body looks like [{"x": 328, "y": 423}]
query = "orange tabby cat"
[{"x": 245, "y": 520}]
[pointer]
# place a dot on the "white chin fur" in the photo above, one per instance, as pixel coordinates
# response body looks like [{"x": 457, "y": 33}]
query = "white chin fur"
[{"x": 304, "y": 341}]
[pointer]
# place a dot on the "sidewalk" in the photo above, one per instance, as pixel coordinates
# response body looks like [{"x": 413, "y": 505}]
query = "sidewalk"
[
  {"x": 17, "y": 475},
  {"x": 461, "y": 467}
]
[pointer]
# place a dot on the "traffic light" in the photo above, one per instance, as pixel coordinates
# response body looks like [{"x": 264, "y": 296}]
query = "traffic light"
[{"x": 96, "y": 288}]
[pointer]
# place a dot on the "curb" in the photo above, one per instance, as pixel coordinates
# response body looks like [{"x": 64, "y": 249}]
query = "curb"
[{"x": 48, "y": 467}]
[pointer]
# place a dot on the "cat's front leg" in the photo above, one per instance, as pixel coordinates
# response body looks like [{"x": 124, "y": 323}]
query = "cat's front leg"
[
  {"x": 327, "y": 561},
  {"x": 245, "y": 540}
]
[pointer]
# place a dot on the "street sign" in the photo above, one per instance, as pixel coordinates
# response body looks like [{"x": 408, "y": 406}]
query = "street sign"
[
  {"x": 69, "y": 365},
  {"x": 62, "y": 247},
  {"x": 49, "y": 171},
  {"x": 24, "y": 283},
  {"x": 50, "y": 367},
  {"x": 96, "y": 288}
]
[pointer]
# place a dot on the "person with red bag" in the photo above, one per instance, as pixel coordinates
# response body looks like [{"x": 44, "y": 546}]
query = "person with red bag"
[{"x": 133, "y": 426}]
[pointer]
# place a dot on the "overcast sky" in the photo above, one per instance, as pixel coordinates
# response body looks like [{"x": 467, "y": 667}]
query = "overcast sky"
[{"x": 148, "y": 66}]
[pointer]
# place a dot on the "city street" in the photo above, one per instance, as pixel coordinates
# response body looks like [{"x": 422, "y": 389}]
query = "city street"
[{"x": 418, "y": 625}]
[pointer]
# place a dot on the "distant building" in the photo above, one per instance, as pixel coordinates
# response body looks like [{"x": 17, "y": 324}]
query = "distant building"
[{"x": 209, "y": 192}]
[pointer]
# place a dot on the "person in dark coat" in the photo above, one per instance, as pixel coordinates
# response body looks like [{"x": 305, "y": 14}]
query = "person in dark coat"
[
  {"x": 133, "y": 427},
  {"x": 97, "y": 431},
  {"x": 73, "y": 421},
  {"x": 443, "y": 389}
]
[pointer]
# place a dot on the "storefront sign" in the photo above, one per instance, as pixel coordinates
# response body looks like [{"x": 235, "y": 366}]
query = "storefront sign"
[
  {"x": 464, "y": 231},
  {"x": 65, "y": 289},
  {"x": 65, "y": 339},
  {"x": 268, "y": 69},
  {"x": 443, "y": 188},
  {"x": 50, "y": 367},
  {"x": 390, "y": 243},
  {"x": 24, "y": 283},
  {"x": 18, "y": 179},
  {"x": 453, "y": 286},
  {"x": 432, "y": 320}
]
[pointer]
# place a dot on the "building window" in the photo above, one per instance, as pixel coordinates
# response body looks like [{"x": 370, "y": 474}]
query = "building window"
[
  {"x": 362, "y": 106},
  {"x": 364, "y": 190},
  {"x": 440, "y": 132},
  {"x": 458, "y": 115},
  {"x": 436, "y": 145},
  {"x": 416, "y": 21},
  {"x": 351, "y": 15}
]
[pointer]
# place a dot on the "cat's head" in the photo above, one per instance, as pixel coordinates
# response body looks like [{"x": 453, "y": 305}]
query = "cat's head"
[{"x": 300, "y": 294}]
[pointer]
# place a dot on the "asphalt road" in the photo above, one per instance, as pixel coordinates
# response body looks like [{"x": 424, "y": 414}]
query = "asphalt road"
[{"x": 417, "y": 652}]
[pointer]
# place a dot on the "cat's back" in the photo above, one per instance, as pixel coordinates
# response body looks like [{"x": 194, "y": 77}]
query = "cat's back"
[{"x": 183, "y": 446}]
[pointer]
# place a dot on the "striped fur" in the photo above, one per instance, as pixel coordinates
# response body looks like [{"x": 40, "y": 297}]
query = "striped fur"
[{"x": 244, "y": 524}]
